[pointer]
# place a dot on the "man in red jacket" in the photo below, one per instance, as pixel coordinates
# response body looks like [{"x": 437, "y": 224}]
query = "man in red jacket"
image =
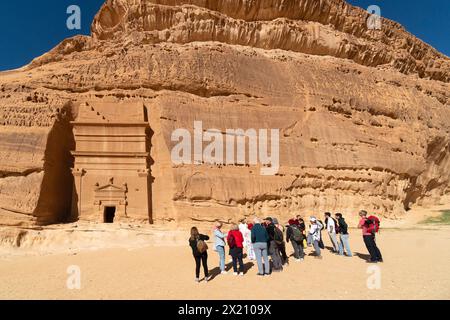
[
  {"x": 236, "y": 243},
  {"x": 369, "y": 238}
]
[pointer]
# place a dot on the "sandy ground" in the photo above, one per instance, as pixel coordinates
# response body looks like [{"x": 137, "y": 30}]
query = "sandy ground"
[{"x": 416, "y": 267}]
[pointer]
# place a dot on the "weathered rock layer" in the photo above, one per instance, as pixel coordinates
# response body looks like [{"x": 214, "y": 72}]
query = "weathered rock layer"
[{"x": 364, "y": 114}]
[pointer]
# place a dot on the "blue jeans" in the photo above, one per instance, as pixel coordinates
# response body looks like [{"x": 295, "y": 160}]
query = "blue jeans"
[
  {"x": 334, "y": 241},
  {"x": 221, "y": 251},
  {"x": 309, "y": 239},
  {"x": 261, "y": 253},
  {"x": 344, "y": 243},
  {"x": 316, "y": 247}
]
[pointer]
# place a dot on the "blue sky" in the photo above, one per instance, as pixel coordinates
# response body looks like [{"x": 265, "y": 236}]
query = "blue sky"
[{"x": 29, "y": 28}]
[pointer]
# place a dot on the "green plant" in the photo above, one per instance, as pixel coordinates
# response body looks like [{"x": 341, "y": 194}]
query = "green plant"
[{"x": 444, "y": 218}]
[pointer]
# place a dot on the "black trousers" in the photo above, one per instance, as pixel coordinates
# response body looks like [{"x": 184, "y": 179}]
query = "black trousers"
[
  {"x": 282, "y": 248},
  {"x": 236, "y": 254},
  {"x": 202, "y": 259},
  {"x": 375, "y": 254},
  {"x": 298, "y": 249},
  {"x": 274, "y": 252}
]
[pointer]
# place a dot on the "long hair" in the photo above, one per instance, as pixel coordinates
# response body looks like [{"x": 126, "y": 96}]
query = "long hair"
[{"x": 195, "y": 235}]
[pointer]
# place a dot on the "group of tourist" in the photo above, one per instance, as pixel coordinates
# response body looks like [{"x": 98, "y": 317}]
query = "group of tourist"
[{"x": 264, "y": 238}]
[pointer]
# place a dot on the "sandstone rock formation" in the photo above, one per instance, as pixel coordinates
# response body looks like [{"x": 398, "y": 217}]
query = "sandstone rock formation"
[{"x": 364, "y": 114}]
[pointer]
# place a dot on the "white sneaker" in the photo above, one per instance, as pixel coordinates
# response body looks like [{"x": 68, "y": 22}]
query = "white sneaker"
[
  {"x": 297, "y": 260},
  {"x": 197, "y": 280},
  {"x": 241, "y": 274},
  {"x": 224, "y": 272},
  {"x": 208, "y": 278},
  {"x": 235, "y": 273}
]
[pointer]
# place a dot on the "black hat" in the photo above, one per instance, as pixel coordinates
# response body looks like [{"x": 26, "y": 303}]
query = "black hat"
[{"x": 269, "y": 218}]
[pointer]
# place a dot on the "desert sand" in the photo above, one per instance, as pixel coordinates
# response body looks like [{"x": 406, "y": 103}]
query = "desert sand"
[
  {"x": 160, "y": 266},
  {"x": 362, "y": 114}
]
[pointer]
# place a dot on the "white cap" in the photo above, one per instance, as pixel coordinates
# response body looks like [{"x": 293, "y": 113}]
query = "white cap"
[{"x": 312, "y": 219}]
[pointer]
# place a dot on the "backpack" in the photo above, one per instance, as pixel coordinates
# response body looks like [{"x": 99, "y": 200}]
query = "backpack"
[
  {"x": 278, "y": 236},
  {"x": 373, "y": 224},
  {"x": 201, "y": 246},
  {"x": 231, "y": 241},
  {"x": 322, "y": 226},
  {"x": 321, "y": 245},
  {"x": 296, "y": 234}
]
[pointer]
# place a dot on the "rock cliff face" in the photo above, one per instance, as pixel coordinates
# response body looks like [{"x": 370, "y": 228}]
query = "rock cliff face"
[{"x": 363, "y": 114}]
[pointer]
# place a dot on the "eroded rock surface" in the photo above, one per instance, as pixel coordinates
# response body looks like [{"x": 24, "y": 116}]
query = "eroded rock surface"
[{"x": 364, "y": 114}]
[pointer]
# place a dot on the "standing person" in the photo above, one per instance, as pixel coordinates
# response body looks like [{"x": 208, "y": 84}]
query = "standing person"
[
  {"x": 294, "y": 235},
  {"x": 331, "y": 226},
  {"x": 219, "y": 245},
  {"x": 259, "y": 239},
  {"x": 314, "y": 235},
  {"x": 301, "y": 224},
  {"x": 280, "y": 242},
  {"x": 200, "y": 253},
  {"x": 236, "y": 244},
  {"x": 368, "y": 231},
  {"x": 274, "y": 251},
  {"x": 246, "y": 233},
  {"x": 322, "y": 226},
  {"x": 343, "y": 235}
]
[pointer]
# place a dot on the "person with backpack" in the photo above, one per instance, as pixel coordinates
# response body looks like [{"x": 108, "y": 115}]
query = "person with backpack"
[
  {"x": 236, "y": 243},
  {"x": 322, "y": 227},
  {"x": 260, "y": 238},
  {"x": 200, "y": 253},
  {"x": 309, "y": 238},
  {"x": 219, "y": 245},
  {"x": 274, "y": 251},
  {"x": 280, "y": 242},
  {"x": 295, "y": 236},
  {"x": 301, "y": 224},
  {"x": 331, "y": 226},
  {"x": 370, "y": 226},
  {"x": 315, "y": 235},
  {"x": 343, "y": 235}
]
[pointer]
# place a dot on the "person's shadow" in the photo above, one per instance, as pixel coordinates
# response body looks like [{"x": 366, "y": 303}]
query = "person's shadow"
[
  {"x": 363, "y": 256},
  {"x": 214, "y": 272},
  {"x": 229, "y": 267},
  {"x": 248, "y": 266}
]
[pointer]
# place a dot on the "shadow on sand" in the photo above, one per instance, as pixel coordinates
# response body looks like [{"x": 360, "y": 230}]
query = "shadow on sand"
[
  {"x": 229, "y": 267},
  {"x": 363, "y": 256}
]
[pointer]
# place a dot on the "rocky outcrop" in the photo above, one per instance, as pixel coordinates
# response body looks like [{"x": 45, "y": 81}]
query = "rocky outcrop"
[
  {"x": 363, "y": 114},
  {"x": 331, "y": 28}
]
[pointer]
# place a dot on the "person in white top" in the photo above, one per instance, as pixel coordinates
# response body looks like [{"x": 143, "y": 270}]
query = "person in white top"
[
  {"x": 246, "y": 233},
  {"x": 332, "y": 230},
  {"x": 314, "y": 235}
]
